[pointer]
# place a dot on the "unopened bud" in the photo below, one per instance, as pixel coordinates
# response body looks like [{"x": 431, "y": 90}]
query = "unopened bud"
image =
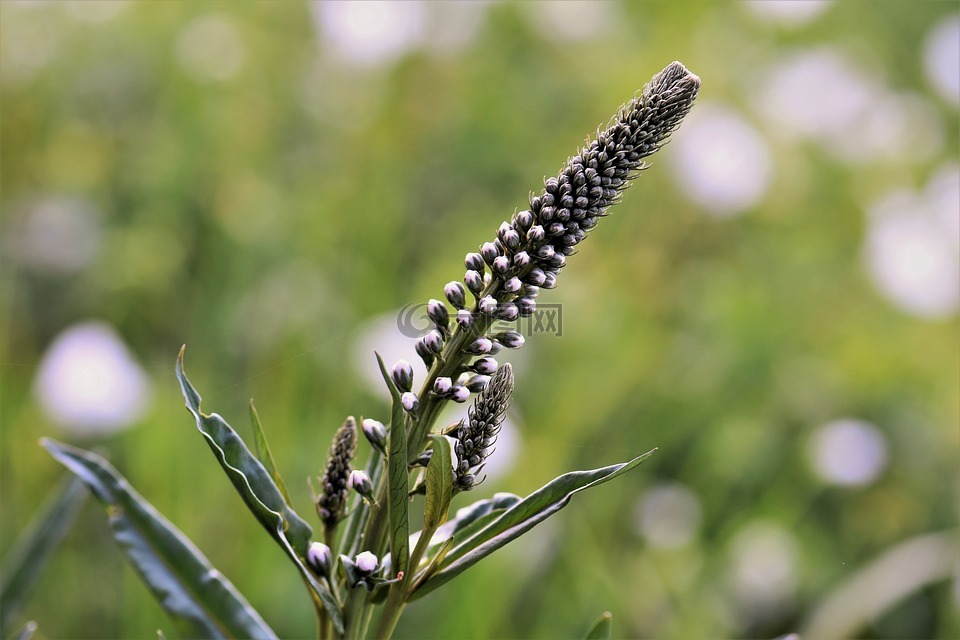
[
  {"x": 442, "y": 386},
  {"x": 360, "y": 482},
  {"x": 410, "y": 401},
  {"x": 473, "y": 261},
  {"x": 375, "y": 433},
  {"x": 485, "y": 366},
  {"x": 402, "y": 374},
  {"x": 480, "y": 346},
  {"x": 320, "y": 558},
  {"x": 510, "y": 339},
  {"x": 366, "y": 562},
  {"x": 455, "y": 294},
  {"x": 460, "y": 393}
]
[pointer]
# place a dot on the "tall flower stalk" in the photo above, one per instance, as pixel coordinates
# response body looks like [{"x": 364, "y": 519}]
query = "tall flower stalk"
[
  {"x": 505, "y": 276},
  {"x": 364, "y": 563}
]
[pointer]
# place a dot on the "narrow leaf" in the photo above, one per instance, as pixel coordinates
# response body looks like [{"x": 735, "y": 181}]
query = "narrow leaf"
[
  {"x": 29, "y": 556},
  {"x": 520, "y": 518},
  {"x": 200, "y": 601},
  {"x": 258, "y": 490},
  {"x": 439, "y": 483},
  {"x": 601, "y": 628},
  {"x": 397, "y": 479},
  {"x": 264, "y": 455}
]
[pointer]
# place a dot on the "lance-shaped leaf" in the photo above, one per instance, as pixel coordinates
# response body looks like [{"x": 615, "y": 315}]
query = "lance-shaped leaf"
[
  {"x": 600, "y": 630},
  {"x": 26, "y": 561},
  {"x": 397, "y": 479},
  {"x": 262, "y": 448},
  {"x": 198, "y": 598},
  {"x": 520, "y": 518},
  {"x": 439, "y": 483},
  {"x": 260, "y": 493}
]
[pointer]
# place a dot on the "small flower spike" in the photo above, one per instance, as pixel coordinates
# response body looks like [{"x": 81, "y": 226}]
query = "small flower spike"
[
  {"x": 477, "y": 433},
  {"x": 330, "y": 503}
]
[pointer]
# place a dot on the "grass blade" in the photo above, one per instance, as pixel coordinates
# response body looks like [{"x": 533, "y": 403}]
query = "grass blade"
[
  {"x": 27, "y": 560},
  {"x": 264, "y": 455}
]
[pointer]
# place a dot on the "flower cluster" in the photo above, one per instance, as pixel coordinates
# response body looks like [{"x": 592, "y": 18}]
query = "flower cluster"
[
  {"x": 477, "y": 433},
  {"x": 505, "y": 276},
  {"x": 334, "y": 484}
]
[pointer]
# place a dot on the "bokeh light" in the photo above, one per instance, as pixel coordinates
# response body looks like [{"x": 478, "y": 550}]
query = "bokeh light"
[{"x": 848, "y": 452}]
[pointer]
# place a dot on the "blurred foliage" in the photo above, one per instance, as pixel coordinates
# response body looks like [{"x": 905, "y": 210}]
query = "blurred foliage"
[{"x": 264, "y": 216}]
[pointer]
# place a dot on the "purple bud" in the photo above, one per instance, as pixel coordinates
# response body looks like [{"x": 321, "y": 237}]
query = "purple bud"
[
  {"x": 359, "y": 481},
  {"x": 433, "y": 341},
  {"x": 438, "y": 313},
  {"x": 464, "y": 317},
  {"x": 521, "y": 259},
  {"x": 550, "y": 281},
  {"x": 366, "y": 562},
  {"x": 557, "y": 261},
  {"x": 546, "y": 252},
  {"x": 476, "y": 384},
  {"x": 320, "y": 558},
  {"x": 523, "y": 220},
  {"x": 455, "y": 294},
  {"x": 512, "y": 285},
  {"x": 480, "y": 346},
  {"x": 508, "y": 311},
  {"x": 460, "y": 394},
  {"x": 442, "y": 386},
  {"x": 489, "y": 251},
  {"x": 501, "y": 264},
  {"x": 375, "y": 433},
  {"x": 474, "y": 281},
  {"x": 473, "y": 261},
  {"x": 402, "y": 374},
  {"x": 486, "y": 366},
  {"x": 488, "y": 305},
  {"x": 536, "y": 234},
  {"x": 410, "y": 401},
  {"x": 536, "y": 276},
  {"x": 424, "y": 352},
  {"x": 527, "y": 306},
  {"x": 510, "y": 339},
  {"x": 505, "y": 227},
  {"x": 511, "y": 239}
]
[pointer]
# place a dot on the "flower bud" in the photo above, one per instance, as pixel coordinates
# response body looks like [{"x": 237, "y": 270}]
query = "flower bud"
[
  {"x": 550, "y": 281},
  {"x": 410, "y": 401},
  {"x": 511, "y": 239},
  {"x": 366, "y": 562},
  {"x": 489, "y": 251},
  {"x": 320, "y": 558},
  {"x": 442, "y": 386},
  {"x": 536, "y": 234},
  {"x": 474, "y": 262},
  {"x": 375, "y": 433},
  {"x": 488, "y": 305},
  {"x": 438, "y": 313},
  {"x": 546, "y": 252},
  {"x": 460, "y": 393},
  {"x": 512, "y": 285},
  {"x": 360, "y": 482},
  {"x": 521, "y": 259},
  {"x": 455, "y": 294},
  {"x": 527, "y": 306},
  {"x": 557, "y": 261},
  {"x": 508, "y": 311},
  {"x": 501, "y": 264},
  {"x": 536, "y": 277},
  {"x": 477, "y": 383},
  {"x": 424, "y": 352},
  {"x": 474, "y": 281},
  {"x": 485, "y": 365},
  {"x": 523, "y": 220},
  {"x": 480, "y": 346},
  {"x": 510, "y": 339},
  {"x": 402, "y": 374},
  {"x": 433, "y": 341},
  {"x": 464, "y": 317}
]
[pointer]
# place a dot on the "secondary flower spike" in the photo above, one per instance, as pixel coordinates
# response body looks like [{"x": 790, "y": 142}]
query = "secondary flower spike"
[
  {"x": 333, "y": 494},
  {"x": 477, "y": 433}
]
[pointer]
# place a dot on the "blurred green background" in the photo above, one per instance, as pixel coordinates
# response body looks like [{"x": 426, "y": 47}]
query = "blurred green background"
[{"x": 773, "y": 305}]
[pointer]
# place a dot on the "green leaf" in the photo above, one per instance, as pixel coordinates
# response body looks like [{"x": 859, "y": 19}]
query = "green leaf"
[
  {"x": 601, "y": 628},
  {"x": 397, "y": 479},
  {"x": 264, "y": 455},
  {"x": 28, "y": 558},
  {"x": 520, "y": 518},
  {"x": 439, "y": 483},
  {"x": 262, "y": 496},
  {"x": 198, "y": 598}
]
